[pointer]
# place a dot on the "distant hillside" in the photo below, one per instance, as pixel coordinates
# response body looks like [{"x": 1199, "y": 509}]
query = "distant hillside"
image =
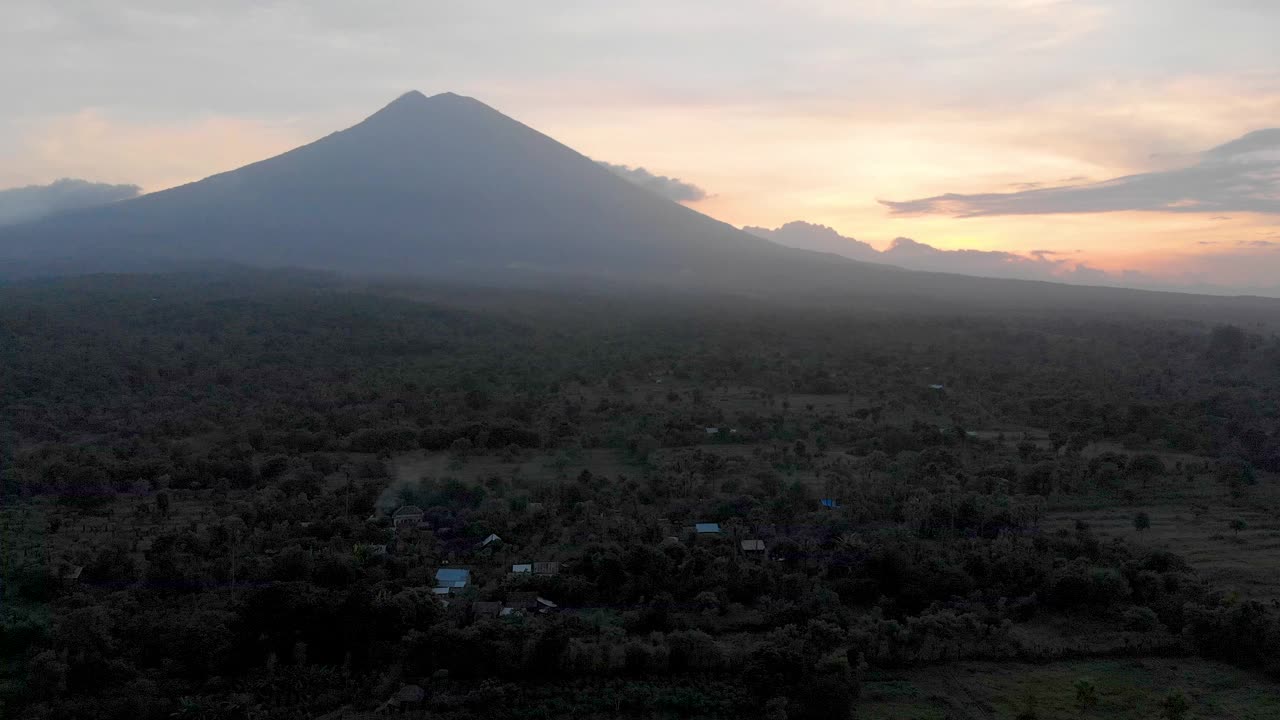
[{"x": 34, "y": 202}]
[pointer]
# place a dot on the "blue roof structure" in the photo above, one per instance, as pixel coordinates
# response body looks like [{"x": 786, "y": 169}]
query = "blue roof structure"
[
  {"x": 830, "y": 503},
  {"x": 453, "y": 577},
  {"x": 707, "y": 527}
]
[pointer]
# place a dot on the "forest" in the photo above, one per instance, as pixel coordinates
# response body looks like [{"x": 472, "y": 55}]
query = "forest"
[{"x": 286, "y": 495}]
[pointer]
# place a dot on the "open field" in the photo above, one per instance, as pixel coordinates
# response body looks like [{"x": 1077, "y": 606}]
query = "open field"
[
  {"x": 42, "y": 528},
  {"x": 1247, "y": 562},
  {"x": 1125, "y": 689}
]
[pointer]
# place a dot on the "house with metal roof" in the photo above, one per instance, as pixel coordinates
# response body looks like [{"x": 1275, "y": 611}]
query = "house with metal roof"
[
  {"x": 753, "y": 545},
  {"x": 707, "y": 528},
  {"x": 453, "y": 578}
]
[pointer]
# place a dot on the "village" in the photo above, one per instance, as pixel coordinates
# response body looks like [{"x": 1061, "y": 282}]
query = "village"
[{"x": 718, "y": 536}]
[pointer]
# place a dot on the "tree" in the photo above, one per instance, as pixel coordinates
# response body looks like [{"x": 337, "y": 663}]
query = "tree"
[
  {"x": 1086, "y": 696},
  {"x": 1237, "y": 525},
  {"x": 1145, "y": 467},
  {"x": 1175, "y": 706},
  {"x": 1030, "y": 709},
  {"x": 776, "y": 709},
  {"x": 1141, "y": 521},
  {"x": 1227, "y": 344},
  {"x": 461, "y": 447},
  {"x": 827, "y": 692},
  {"x": 162, "y": 503}
]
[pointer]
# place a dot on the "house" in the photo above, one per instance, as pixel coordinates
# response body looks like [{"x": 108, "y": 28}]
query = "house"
[
  {"x": 754, "y": 545},
  {"x": 453, "y": 578},
  {"x": 712, "y": 430},
  {"x": 490, "y": 540},
  {"x": 527, "y": 602},
  {"x": 546, "y": 568},
  {"x": 411, "y": 694},
  {"x": 486, "y": 609},
  {"x": 407, "y": 699},
  {"x": 707, "y": 528},
  {"x": 408, "y": 517},
  {"x": 935, "y": 387},
  {"x": 522, "y": 601},
  {"x": 522, "y": 568},
  {"x": 70, "y": 574},
  {"x": 830, "y": 503}
]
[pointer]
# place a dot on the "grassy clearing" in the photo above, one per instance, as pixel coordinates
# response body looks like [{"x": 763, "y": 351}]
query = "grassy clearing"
[
  {"x": 1247, "y": 562},
  {"x": 41, "y": 528},
  {"x": 1125, "y": 690}
]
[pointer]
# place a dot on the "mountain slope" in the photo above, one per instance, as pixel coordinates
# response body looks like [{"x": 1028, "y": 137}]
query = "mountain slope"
[{"x": 423, "y": 185}]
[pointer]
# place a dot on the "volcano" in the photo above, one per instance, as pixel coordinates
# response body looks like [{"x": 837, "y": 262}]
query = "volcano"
[{"x": 427, "y": 185}]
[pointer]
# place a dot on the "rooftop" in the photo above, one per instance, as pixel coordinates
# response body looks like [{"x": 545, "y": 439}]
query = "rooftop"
[{"x": 453, "y": 577}]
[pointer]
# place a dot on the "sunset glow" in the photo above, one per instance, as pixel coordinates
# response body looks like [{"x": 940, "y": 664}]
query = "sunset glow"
[{"x": 814, "y": 111}]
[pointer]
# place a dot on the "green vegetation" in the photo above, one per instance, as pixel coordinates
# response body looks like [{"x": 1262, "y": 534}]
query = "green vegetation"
[
  {"x": 201, "y": 476},
  {"x": 1128, "y": 689}
]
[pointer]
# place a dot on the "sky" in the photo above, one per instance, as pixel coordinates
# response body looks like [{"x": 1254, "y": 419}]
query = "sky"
[{"x": 1126, "y": 139}]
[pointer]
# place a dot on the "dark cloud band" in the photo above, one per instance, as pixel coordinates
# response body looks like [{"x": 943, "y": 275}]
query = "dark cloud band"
[{"x": 1240, "y": 176}]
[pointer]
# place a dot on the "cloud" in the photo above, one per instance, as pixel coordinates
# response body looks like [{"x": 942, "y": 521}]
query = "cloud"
[
  {"x": 36, "y": 201},
  {"x": 668, "y": 187},
  {"x": 1245, "y": 266},
  {"x": 913, "y": 255},
  {"x": 1240, "y": 176},
  {"x": 819, "y": 238}
]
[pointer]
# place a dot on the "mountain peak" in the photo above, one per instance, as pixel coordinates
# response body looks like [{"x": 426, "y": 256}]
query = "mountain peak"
[
  {"x": 414, "y": 98},
  {"x": 413, "y": 106}
]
